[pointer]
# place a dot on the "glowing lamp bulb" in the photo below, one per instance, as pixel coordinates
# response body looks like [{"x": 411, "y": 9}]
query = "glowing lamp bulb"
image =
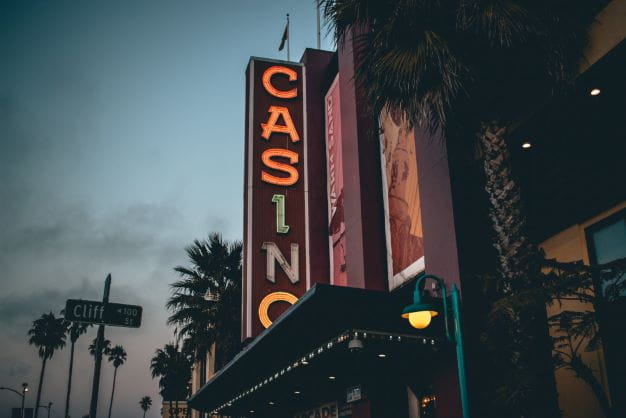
[
  {"x": 595, "y": 92},
  {"x": 420, "y": 320}
]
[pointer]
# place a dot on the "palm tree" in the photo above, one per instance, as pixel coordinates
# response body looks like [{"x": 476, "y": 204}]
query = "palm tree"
[
  {"x": 161, "y": 366},
  {"x": 206, "y": 301},
  {"x": 48, "y": 335},
  {"x": 173, "y": 367},
  {"x": 145, "y": 403},
  {"x": 74, "y": 330},
  {"x": 106, "y": 347},
  {"x": 117, "y": 356},
  {"x": 481, "y": 65}
]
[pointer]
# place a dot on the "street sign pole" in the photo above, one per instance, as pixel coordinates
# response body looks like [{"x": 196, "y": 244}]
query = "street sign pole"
[
  {"x": 23, "y": 400},
  {"x": 98, "y": 362}
]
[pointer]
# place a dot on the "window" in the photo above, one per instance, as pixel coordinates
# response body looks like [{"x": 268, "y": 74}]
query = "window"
[{"x": 606, "y": 240}]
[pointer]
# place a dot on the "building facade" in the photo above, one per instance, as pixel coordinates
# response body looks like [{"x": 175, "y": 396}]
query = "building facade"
[{"x": 343, "y": 210}]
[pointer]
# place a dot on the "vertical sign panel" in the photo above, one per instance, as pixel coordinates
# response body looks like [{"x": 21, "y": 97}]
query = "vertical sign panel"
[
  {"x": 401, "y": 193},
  {"x": 275, "y": 224},
  {"x": 334, "y": 158}
]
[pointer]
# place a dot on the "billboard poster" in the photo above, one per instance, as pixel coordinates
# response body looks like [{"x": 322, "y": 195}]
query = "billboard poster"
[
  {"x": 334, "y": 159},
  {"x": 275, "y": 180},
  {"x": 403, "y": 217}
]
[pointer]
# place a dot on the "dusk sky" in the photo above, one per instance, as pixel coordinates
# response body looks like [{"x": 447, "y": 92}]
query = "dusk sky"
[{"x": 121, "y": 141}]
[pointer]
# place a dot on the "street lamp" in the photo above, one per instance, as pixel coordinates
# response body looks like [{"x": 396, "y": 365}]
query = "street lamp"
[
  {"x": 22, "y": 395},
  {"x": 24, "y": 390},
  {"x": 420, "y": 314}
]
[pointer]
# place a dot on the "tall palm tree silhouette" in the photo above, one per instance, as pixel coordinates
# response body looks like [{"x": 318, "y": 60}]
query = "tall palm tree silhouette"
[
  {"x": 106, "y": 347},
  {"x": 145, "y": 403},
  {"x": 117, "y": 356},
  {"x": 74, "y": 331},
  {"x": 48, "y": 335},
  {"x": 173, "y": 367},
  {"x": 206, "y": 301}
]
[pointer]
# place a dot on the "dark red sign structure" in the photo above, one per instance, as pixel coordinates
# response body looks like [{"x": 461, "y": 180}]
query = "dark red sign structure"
[
  {"x": 334, "y": 158},
  {"x": 275, "y": 268}
]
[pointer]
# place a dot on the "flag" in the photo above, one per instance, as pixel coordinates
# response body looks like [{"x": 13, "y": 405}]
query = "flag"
[{"x": 285, "y": 37}]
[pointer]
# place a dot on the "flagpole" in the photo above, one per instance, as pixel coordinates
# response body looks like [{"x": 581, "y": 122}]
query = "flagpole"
[
  {"x": 319, "y": 42},
  {"x": 288, "y": 36}
]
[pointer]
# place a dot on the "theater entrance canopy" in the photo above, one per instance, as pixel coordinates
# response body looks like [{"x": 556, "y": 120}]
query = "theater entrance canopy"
[{"x": 333, "y": 339}]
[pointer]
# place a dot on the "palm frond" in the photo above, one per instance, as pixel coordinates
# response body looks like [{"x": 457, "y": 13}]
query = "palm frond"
[
  {"x": 202, "y": 301},
  {"x": 432, "y": 60},
  {"x": 48, "y": 334}
]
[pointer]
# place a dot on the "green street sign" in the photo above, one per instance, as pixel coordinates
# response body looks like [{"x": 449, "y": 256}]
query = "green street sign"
[{"x": 95, "y": 312}]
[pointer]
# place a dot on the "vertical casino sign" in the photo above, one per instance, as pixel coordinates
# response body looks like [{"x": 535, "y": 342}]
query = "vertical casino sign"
[{"x": 275, "y": 265}]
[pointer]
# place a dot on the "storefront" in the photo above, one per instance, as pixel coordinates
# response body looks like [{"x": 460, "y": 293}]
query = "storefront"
[
  {"x": 338, "y": 351},
  {"x": 174, "y": 409}
]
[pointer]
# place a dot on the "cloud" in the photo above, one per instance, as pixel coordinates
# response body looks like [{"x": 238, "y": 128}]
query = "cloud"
[
  {"x": 16, "y": 309},
  {"x": 134, "y": 230},
  {"x": 18, "y": 368}
]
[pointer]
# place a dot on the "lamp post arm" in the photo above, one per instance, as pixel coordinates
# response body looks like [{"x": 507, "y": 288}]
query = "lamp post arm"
[
  {"x": 12, "y": 390},
  {"x": 442, "y": 286}
]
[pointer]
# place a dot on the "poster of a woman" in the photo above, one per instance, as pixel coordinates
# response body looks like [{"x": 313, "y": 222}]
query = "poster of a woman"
[{"x": 402, "y": 198}]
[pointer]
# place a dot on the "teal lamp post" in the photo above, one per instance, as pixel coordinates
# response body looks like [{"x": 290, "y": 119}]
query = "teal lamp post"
[{"x": 420, "y": 314}]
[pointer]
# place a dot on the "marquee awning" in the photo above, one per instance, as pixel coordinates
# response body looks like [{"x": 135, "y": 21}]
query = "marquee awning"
[{"x": 308, "y": 344}]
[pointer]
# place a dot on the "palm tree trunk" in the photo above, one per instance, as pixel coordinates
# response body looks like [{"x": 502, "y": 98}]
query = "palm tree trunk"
[
  {"x": 112, "y": 392},
  {"x": 69, "y": 382},
  {"x": 176, "y": 410},
  {"x": 144, "y": 414},
  {"x": 514, "y": 249},
  {"x": 171, "y": 409},
  {"x": 519, "y": 267},
  {"x": 43, "y": 369}
]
